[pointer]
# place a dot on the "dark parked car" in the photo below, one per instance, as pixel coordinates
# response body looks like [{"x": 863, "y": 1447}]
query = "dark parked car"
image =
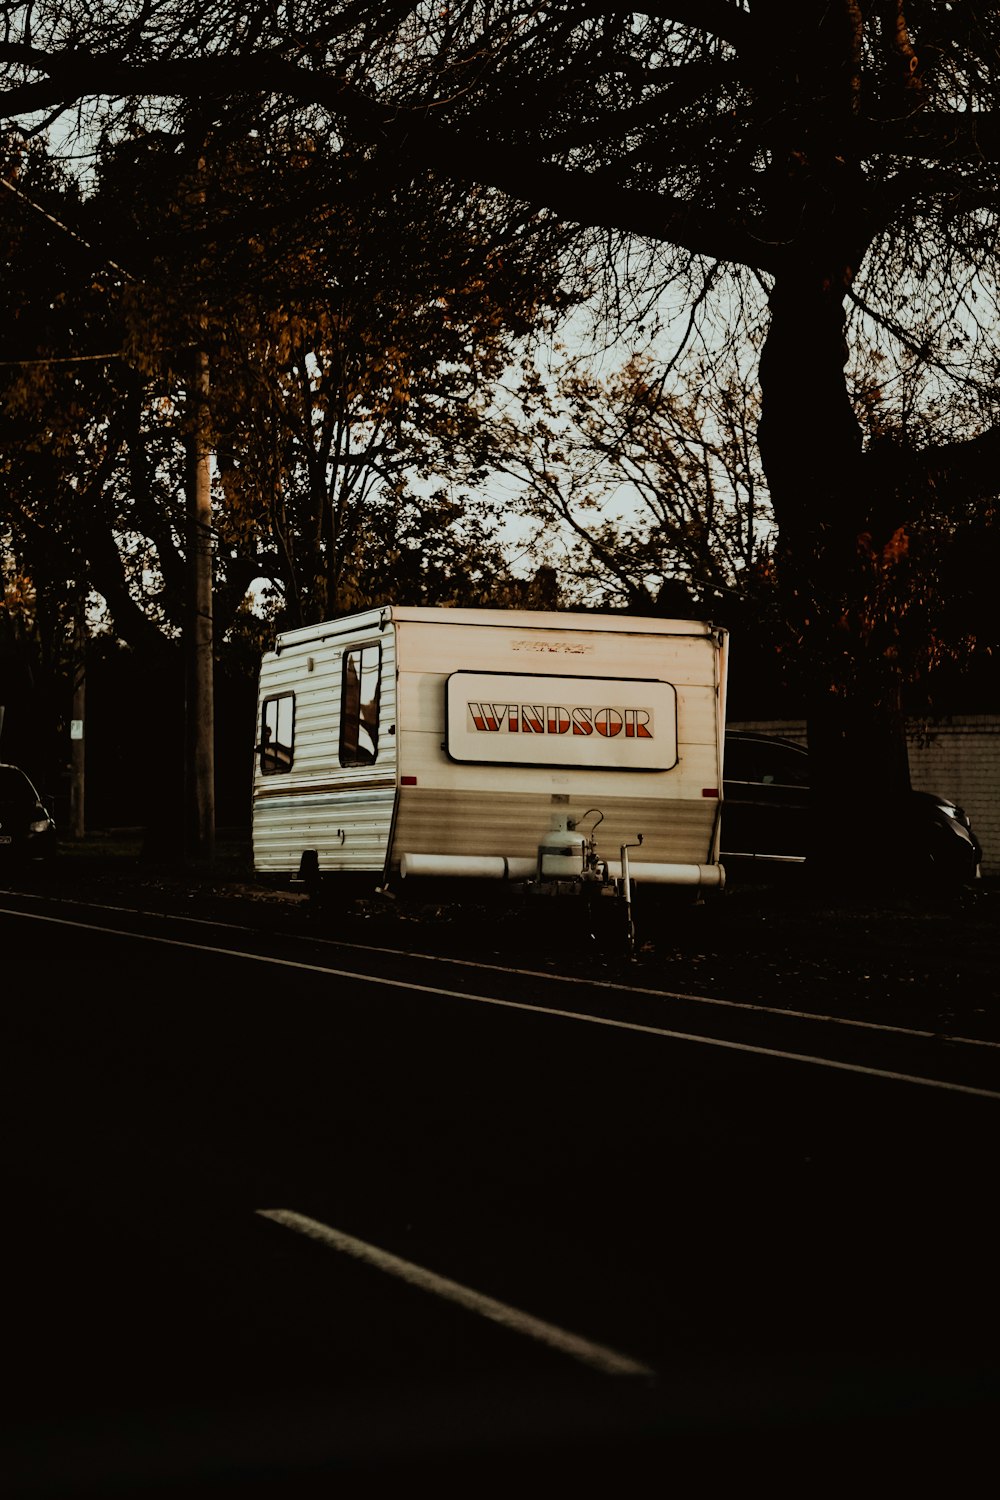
[
  {"x": 27, "y": 830},
  {"x": 766, "y": 816}
]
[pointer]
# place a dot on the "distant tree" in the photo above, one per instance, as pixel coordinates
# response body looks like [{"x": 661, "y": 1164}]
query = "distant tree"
[
  {"x": 652, "y": 493},
  {"x": 40, "y": 577},
  {"x": 442, "y": 547},
  {"x": 844, "y": 157},
  {"x": 350, "y": 364},
  {"x": 356, "y": 374}
]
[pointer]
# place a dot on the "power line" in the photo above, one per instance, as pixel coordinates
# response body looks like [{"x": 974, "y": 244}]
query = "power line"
[
  {"x": 62, "y": 359},
  {"x": 73, "y": 359},
  {"x": 73, "y": 233}
]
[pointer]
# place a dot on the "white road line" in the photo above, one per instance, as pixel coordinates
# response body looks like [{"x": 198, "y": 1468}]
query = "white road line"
[
  {"x": 552, "y": 1011},
  {"x": 598, "y": 1356},
  {"x": 598, "y": 984},
  {"x": 636, "y": 989}
]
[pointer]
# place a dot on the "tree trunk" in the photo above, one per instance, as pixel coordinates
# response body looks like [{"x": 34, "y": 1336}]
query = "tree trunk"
[{"x": 811, "y": 449}]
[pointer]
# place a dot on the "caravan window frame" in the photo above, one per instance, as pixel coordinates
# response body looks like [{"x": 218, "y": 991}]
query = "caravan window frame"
[
  {"x": 275, "y": 756},
  {"x": 353, "y": 723}
]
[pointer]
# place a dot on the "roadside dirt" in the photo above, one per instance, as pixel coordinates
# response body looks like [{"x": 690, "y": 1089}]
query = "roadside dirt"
[{"x": 923, "y": 960}]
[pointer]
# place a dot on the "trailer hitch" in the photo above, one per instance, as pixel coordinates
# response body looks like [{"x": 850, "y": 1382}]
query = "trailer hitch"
[{"x": 626, "y": 895}]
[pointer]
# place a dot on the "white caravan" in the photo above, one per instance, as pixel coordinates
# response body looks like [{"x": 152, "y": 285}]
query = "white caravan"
[{"x": 553, "y": 751}]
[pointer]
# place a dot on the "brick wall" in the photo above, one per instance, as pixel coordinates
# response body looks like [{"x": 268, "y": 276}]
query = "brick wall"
[{"x": 958, "y": 758}]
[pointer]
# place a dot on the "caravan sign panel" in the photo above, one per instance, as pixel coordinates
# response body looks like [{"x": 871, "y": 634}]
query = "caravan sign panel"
[{"x": 503, "y": 718}]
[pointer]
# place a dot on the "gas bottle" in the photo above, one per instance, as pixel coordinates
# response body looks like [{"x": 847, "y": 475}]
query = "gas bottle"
[{"x": 561, "y": 852}]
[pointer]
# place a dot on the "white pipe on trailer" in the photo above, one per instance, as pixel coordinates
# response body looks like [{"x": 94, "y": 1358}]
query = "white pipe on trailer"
[
  {"x": 502, "y": 867},
  {"x": 662, "y": 874},
  {"x": 473, "y": 866}
]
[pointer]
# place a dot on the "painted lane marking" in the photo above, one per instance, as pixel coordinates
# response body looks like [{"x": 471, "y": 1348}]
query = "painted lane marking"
[
  {"x": 630, "y": 989},
  {"x": 552, "y": 1011},
  {"x": 597, "y": 1356},
  {"x": 596, "y": 984}
]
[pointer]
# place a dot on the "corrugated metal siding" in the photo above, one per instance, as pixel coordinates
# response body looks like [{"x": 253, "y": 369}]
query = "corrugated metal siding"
[
  {"x": 446, "y": 821},
  {"x": 319, "y": 800}
]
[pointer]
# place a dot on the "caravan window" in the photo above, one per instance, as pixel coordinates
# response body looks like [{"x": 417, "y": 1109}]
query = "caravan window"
[
  {"x": 359, "y": 705},
  {"x": 277, "y": 734}
]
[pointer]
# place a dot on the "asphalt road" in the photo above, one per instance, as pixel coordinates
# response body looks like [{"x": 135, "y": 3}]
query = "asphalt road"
[{"x": 559, "y": 1232}]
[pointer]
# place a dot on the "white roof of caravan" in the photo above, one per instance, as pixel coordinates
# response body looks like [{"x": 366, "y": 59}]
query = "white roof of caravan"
[{"x": 516, "y": 619}]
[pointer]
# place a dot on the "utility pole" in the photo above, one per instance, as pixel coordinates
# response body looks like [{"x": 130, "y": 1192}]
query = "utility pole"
[
  {"x": 77, "y": 741},
  {"x": 199, "y": 645},
  {"x": 199, "y": 713}
]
